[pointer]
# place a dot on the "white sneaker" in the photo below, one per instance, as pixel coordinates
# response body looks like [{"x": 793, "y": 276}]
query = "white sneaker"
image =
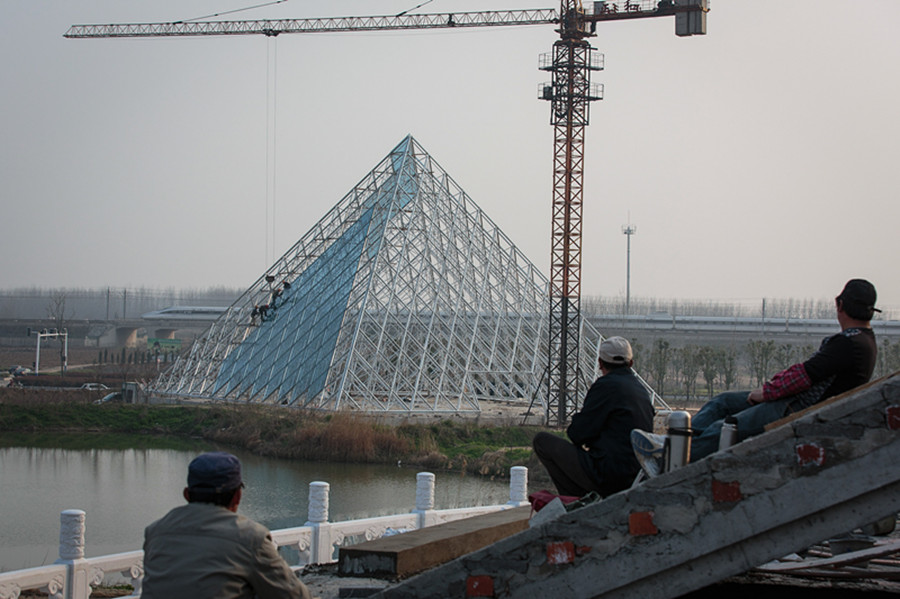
[{"x": 650, "y": 451}]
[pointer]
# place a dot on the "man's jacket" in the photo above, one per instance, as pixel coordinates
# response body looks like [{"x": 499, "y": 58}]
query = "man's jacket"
[
  {"x": 202, "y": 550},
  {"x": 615, "y": 404}
]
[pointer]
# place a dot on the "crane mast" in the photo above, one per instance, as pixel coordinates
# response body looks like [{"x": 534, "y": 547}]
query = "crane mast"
[{"x": 570, "y": 93}]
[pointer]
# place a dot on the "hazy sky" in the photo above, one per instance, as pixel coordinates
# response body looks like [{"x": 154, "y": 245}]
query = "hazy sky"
[{"x": 758, "y": 161}]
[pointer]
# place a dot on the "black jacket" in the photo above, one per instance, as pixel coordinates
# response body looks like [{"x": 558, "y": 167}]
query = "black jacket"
[{"x": 615, "y": 404}]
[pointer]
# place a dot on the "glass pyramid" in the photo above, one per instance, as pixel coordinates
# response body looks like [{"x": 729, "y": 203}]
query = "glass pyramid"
[{"x": 405, "y": 297}]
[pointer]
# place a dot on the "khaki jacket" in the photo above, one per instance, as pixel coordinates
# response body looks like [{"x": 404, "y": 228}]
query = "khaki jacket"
[{"x": 202, "y": 550}]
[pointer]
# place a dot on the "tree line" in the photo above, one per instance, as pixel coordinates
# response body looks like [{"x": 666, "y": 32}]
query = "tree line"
[
  {"x": 753, "y": 308},
  {"x": 700, "y": 371},
  {"x": 117, "y": 302},
  {"x": 135, "y": 356}
]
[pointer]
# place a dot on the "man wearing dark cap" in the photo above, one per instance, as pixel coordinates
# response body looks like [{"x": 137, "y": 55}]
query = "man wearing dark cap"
[
  {"x": 842, "y": 362},
  {"x": 205, "y": 549},
  {"x": 600, "y": 457}
]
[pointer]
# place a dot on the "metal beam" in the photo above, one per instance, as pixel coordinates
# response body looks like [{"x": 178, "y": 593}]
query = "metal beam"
[{"x": 271, "y": 27}]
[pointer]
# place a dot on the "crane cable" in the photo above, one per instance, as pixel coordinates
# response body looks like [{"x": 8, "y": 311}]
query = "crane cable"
[
  {"x": 271, "y": 136},
  {"x": 400, "y": 14},
  {"x": 229, "y": 12}
]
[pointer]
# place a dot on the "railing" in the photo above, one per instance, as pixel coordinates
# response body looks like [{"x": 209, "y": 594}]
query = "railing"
[{"x": 73, "y": 576}]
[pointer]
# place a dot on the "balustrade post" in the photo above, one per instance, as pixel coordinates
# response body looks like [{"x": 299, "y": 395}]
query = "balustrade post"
[
  {"x": 321, "y": 547},
  {"x": 518, "y": 486},
  {"x": 77, "y": 584},
  {"x": 424, "y": 499}
]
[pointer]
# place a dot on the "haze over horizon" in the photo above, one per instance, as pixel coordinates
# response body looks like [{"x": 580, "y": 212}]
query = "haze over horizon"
[{"x": 755, "y": 161}]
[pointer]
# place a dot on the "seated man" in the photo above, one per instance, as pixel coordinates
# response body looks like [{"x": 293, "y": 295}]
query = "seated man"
[
  {"x": 600, "y": 458},
  {"x": 205, "y": 549},
  {"x": 843, "y": 361}
]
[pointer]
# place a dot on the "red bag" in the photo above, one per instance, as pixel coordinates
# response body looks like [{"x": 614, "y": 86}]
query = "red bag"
[{"x": 539, "y": 499}]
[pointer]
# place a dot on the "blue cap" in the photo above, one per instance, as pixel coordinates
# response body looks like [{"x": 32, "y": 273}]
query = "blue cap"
[{"x": 216, "y": 471}]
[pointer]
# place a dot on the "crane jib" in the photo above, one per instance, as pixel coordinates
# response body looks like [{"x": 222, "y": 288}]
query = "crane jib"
[{"x": 321, "y": 25}]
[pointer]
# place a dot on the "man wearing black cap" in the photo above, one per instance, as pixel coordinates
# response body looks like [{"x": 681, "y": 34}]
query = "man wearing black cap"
[
  {"x": 842, "y": 362},
  {"x": 205, "y": 549},
  {"x": 600, "y": 458}
]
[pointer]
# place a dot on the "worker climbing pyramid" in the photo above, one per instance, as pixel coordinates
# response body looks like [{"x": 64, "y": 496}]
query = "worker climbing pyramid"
[{"x": 404, "y": 297}]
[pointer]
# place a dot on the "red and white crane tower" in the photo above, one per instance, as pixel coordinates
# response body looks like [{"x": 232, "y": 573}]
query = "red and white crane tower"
[{"x": 570, "y": 93}]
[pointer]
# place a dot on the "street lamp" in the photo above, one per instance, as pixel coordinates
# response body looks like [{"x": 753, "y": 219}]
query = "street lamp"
[{"x": 628, "y": 230}]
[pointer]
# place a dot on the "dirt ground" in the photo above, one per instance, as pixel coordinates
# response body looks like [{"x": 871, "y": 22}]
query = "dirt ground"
[{"x": 15, "y": 356}]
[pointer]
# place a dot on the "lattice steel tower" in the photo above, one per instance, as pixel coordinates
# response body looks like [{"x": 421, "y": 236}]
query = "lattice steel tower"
[{"x": 570, "y": 94}]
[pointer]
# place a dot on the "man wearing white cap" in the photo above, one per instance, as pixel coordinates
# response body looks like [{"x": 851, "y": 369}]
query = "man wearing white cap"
[{"x": 600, "y": 457}]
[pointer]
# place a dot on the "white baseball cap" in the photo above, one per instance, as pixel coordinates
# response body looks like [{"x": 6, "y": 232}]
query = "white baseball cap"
[{"x": 616, "y": 350}]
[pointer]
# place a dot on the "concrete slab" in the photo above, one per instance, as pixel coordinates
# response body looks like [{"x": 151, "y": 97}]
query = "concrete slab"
[
  {"x": 409, "y": 553},
  {"x": 831, "y": 400},
  {"x": 821, "y": 475}
]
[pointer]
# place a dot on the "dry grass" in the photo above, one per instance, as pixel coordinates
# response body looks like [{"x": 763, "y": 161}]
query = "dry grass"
[{"x": 279, "y": 432}]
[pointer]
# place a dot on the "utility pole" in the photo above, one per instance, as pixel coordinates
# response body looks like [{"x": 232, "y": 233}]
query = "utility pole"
[{"x": 628, "y": 230}]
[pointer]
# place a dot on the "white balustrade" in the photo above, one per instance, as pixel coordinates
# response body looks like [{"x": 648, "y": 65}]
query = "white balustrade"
[{"x": 73, "y": 576}]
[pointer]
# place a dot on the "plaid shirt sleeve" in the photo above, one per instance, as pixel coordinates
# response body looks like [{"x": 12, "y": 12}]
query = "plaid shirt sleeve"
[{"x": 788, "y": 382}]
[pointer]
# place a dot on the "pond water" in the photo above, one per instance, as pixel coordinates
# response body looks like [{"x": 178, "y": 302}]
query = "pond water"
[{"x": 124, "y": 483}]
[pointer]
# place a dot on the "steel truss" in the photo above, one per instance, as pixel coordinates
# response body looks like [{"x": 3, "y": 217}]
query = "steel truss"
[
  {"x": 405, "y": 297},
  {"x": 570, "y": 94},
  {"x": 333, "y": 24}
]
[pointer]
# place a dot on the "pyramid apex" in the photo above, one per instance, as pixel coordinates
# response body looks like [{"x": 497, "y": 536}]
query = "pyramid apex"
[{"x": 407, "y": 142}]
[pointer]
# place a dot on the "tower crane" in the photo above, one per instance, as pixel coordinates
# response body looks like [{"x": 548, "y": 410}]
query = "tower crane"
[{"x": 569, "y": 92}]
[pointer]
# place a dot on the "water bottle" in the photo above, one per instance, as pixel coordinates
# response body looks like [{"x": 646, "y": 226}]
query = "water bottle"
[
  {"x": 679, "y": 449},
  {"x": 729, "y": 434}
]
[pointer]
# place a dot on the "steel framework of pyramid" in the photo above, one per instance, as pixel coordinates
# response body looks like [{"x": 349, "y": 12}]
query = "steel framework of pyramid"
[{"x": 405, "y": 297}]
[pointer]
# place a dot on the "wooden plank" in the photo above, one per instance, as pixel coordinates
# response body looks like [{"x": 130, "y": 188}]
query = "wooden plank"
[
  {"x": 403, "y": 555},
  {"x": 842, "y": 559}
]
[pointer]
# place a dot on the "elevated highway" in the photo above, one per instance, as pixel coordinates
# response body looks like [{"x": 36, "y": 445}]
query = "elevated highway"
[
  {"x": 190, "y": 321},
  {"x": 183, "y": 323},
  {"x": 726, "y": 329}
]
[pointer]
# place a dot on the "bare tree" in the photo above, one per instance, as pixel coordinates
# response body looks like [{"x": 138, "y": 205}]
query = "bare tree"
[
  {"x": 56, "y": 311},
  {"x": 728, "y": 366},
  {"x": 690, "y": 368},
  {"x": 760, "y": 354},
  {"x": 710, "y": 361},
  {"x": 785, "y": 355},
  {"x": 660, "y": 355}
]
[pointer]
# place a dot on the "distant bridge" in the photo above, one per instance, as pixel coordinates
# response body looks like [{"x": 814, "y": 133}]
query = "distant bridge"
[
  {"x": 116, "y": 332},
  {"x": 709, "y": 328},
  {"x": 164, "y": 324}
]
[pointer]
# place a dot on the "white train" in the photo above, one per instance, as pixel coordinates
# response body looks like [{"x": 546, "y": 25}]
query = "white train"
[{"x": 186, "y": 313}]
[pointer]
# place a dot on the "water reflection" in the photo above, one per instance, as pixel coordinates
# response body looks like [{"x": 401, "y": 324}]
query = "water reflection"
[{"x": 123, "y": 490}]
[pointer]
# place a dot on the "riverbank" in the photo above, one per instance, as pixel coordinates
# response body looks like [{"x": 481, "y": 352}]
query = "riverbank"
[{"x": 442, "y": 445}]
